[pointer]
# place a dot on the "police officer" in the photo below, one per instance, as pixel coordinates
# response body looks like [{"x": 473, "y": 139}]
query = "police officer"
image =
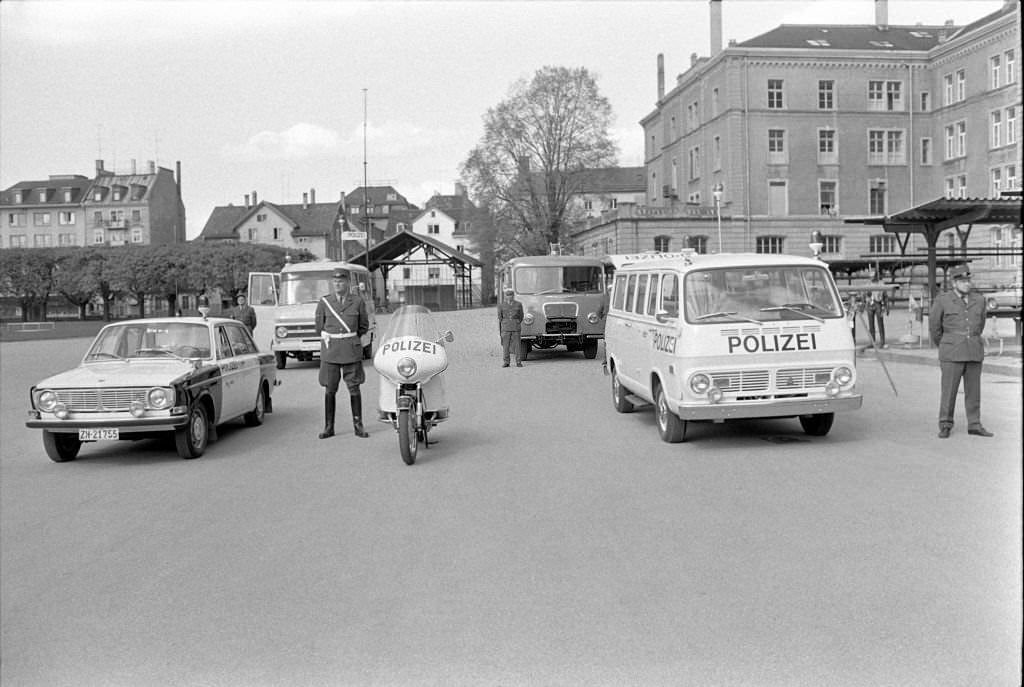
[
  {"x": 955, "y": 323},
  {"x": 244, "y": 313},
  {"x": 510, "y": 326},
  {"x": 340, "y": 321}
]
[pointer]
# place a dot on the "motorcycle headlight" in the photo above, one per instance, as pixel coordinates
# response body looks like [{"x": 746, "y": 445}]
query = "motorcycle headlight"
[
  {"x": 528, "y": 318},
  {"x": 406, "y": 367},
  {"x": 700, "y": 383},
  {"x": 593, "y": 318},
  {"x": 281, "y": 332},
  {"x": 160, "y": 397},
  {"x": 843, "y": 376},
  {"x": 46, "y": 400}
]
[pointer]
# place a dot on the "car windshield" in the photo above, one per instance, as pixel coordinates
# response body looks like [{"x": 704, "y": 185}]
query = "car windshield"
[
  {"x": 558, "y": 279},
  {"x": 761, "y": 294},
  {"x": 150, "y": 340},
  {"x": 412, "y": 320}
]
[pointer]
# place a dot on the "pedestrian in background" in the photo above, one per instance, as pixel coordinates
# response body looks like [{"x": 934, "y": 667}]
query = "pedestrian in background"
[
  {"x": 878, "y": 310},
  {"x": 244, "y": 313},
  {"x": 340, "y": 321},
  {"x": 510, "y": 326},
  {"x": 955, "y": 323}
]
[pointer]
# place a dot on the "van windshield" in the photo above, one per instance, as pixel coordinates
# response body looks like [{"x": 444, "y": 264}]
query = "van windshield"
[
  {"x": 558, "y": 279},
  {"x": 763, "y": 294},
  {"x": 309, "y": 287}
]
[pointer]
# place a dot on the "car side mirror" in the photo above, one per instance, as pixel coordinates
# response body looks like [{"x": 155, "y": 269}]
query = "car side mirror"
[{"x": 663, "y": 316}]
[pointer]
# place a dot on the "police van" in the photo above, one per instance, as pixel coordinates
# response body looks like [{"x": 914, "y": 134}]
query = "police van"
[{"x": 729, "y": 336}]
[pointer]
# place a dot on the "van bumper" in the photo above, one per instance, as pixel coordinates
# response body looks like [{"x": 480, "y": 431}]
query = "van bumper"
[{"x": 768, "y": 408}]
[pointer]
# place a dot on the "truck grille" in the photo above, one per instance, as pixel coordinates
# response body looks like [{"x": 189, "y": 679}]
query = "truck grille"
[{"x": 99, "y": 400}]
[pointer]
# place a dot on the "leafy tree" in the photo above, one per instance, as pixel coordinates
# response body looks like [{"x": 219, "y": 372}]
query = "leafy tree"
[
  {"x": 529, "y": 163},
  {"x": 78, "y": 275},
  {"x": 28, "y": 275}
]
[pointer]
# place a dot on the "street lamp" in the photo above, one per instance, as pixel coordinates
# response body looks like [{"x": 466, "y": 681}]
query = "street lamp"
[{"x": 717, "y": 193}]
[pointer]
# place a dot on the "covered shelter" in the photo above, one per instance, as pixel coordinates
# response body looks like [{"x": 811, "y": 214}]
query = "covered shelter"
[
  {"x": 934, "y": 217},
  {"x": 405, "y": 249}
]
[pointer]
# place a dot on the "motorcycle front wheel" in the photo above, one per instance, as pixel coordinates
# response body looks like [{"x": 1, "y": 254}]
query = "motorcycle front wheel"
[{"x": 407, "y": 440}]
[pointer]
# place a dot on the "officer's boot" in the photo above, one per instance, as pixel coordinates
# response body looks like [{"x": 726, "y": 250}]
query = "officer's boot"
[
  {"x": 357, "y": 413},
  {"x": 329, "y": 405}
]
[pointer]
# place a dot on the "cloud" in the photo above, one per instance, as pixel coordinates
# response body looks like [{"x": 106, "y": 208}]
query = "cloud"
[{"x": 300, "y": 141}]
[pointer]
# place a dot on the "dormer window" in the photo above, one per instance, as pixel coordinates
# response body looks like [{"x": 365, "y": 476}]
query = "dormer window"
[
  {"x": 42, "y": 195},
  {"x": 98, "y": 193},
  {"x": 118, "y": 193},
  {"x": 18, "y": 198},
  {"x": 392, "y": 195},
  {"x": 67, "y": 195},
  {"x": 920, "y": 34},
  {"x": 818, "y": 42}
]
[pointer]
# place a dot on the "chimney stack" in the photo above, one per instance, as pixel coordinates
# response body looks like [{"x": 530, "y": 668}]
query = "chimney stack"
[
  {"x": 312, "y": 196},
  {"x": 177, "y": 169},
  {"x": 99, "y": 167},
  {"x": 716, "y": 26},
  {"x": 661, "y": 76},
  {"x": 882, "y": 14},
  {"x": 133, "y": 166},
  {"x": 693, "y": 59},
  {"x": 246, "y": 201},
  {"x": 255, "y": 201},
  {"x": 305, "y": 201},
  {"x": 152, "y": 166},
  {"x": 460, "y": 189}
]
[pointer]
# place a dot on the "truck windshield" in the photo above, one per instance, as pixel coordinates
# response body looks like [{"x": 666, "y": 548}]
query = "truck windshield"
[
  {"x": 304, "y": 287},
  {"x": 760, "y": 293},
  {"x": 558, "y": 279}
]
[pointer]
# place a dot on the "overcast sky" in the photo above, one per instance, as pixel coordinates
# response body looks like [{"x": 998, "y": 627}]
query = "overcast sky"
[{"x": 268, "y": 96}]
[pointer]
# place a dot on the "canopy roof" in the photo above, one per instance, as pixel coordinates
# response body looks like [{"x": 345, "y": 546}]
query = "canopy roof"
[{"x": 397, "y": 249}]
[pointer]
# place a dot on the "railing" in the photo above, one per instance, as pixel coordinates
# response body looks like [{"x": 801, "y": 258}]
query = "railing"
[{"x": 30, "y": 326}]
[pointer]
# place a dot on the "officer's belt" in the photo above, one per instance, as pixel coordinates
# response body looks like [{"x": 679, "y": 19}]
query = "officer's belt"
[{"x": 345, "y": 335}]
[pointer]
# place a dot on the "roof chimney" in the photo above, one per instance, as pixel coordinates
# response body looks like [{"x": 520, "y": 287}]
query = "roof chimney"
[
  {"x": 246, "y": 201},
  {"x": 255, "y": 201},
  {"x": 312, "y": 196},
  {"x": 882, "y": 14},
  {"x": 716, "y": 26},
  {"x": 152, "y": 166},
  {"x": 305, "y": 201},
  {"x": 661, "y": 76},
  {"x": 693, "y": 59},
  {"x": 99, "y": 167},
  {"x": 133, "y": 166},
  {"x": 460, "y": 189},
  {"x": 177, "y": 169}
]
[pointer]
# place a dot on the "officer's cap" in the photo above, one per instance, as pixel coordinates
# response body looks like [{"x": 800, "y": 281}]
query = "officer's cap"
[
  {"x": 960, "y": 272},
  {"x": 341, "y": 274},
  {"x": 508, "y": 289}
]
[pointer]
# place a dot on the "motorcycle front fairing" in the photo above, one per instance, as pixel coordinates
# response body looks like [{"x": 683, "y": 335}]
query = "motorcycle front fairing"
[{"x": 410, "y": 354}]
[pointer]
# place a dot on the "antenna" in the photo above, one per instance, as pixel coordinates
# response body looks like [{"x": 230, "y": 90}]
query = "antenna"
[{"x": 366, "y": 205}]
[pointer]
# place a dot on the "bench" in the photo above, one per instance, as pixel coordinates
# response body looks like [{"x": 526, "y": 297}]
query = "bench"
[{"x": 30, "y": 326}]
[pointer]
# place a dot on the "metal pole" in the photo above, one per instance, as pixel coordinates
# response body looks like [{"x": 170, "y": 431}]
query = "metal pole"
[
  {"x": 718, "y": 215},
  {"x": 366, "y": 205}
]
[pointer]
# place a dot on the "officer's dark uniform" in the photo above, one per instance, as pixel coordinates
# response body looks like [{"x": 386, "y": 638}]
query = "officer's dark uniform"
[
  {"x": 341, "y": 352},
  {"x": 510, "y": 325},
  {"x": 956, "y": 323}
]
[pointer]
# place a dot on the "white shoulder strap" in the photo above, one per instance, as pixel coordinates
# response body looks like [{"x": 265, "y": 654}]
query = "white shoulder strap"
[{"x": 336, "y": 315}]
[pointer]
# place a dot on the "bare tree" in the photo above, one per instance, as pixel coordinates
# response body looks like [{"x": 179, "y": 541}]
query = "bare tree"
[{"x": 537, "y": 143}]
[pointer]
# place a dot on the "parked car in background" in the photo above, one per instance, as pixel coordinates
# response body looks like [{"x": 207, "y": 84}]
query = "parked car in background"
[
  {"x": 150, "y": 377},
  {"x": 1004, "y": 298}
]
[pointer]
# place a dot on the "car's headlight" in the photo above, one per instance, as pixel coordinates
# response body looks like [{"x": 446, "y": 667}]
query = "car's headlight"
[
  {"x": 46, "y": 400},
  {"x": 160, "y": 397},
  {"x": 528, "y": 318},
  {"x": 281, "y": 332}
]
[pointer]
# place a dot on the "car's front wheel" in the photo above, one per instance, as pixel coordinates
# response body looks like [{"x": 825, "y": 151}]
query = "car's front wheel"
[
  {"x": 61, "y": 447},
  {"x": 191, "y": 439}
]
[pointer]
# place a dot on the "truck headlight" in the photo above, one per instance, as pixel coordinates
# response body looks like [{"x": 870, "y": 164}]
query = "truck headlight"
[
  {"x": 281, "y": 332},
  {"x": 593, "y": 318},
  {"x": 528, "y": 318}
]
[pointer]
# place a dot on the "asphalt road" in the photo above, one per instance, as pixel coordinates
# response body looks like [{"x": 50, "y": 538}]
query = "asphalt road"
[{"x": 545, "y": 540}]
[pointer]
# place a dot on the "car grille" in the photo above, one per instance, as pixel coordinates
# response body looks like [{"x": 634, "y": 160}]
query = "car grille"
[
  {"x": 100, "y": 400},
  {"x": 557, "y": 310}
]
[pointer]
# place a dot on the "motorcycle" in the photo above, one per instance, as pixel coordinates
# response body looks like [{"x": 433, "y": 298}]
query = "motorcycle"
[{"x": 410, "y": 360}]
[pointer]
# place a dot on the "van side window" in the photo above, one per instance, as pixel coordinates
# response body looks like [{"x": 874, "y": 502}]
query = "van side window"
[
  {"x": 641, "y": 294},
  {"x": 670, "y": 295},
  {"x": 652, "y": 296},
  {"x": 620, "y": 292},
  {"x": 630, "y": 293}
]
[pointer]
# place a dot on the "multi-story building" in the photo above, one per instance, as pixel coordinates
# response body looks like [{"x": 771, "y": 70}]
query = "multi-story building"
[
  {"x": 805, "y": 126},
  {"x": 309, "y": 225},
  {"x": 111, "y": 209}
]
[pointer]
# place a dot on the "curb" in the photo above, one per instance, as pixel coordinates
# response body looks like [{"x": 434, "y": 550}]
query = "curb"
[{"x": 1009, "y": 363}]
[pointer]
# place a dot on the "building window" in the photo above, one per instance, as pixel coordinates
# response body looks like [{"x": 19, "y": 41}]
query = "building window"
[
  {"x": 925, "y": 102},
  {"x": 769, "y": 244},
  {"x": 961, "y": 139},
  {"x": 436, "y": 228},
  {"x": 716, "y": 151},
  {"x": 65, "y": 217},
  {"x": 994, "y": 63},
  {"x": 97, "y": 218},
  {"x": 41, "y": 219},
  {"x": 777, "y": 147},
  {"x": 950, "y": 184},
  {"x": 775, "y": 94},
  {"x": 1011, "y": 177},
  {"x": 995, "y": 182},
  {"x": 136, "y": 215},
  {"x": 136, "y": 235},
  {"x": 1009, "y": 67},
  {"x": 885, "y": 147},
  {"x": 42, "y": 240},
  {"x": 699, "y": 244},
  {"x": 947, "y": 89},
  {"x": 17, "y": 196},
  {"x": 661, "y": 244},
  {"x": 252, "y": 233},
  {"x": 961, "y": 186},
  {"x": 826, "y": 95},
  {"x": 961, "y": 85},
  {"x": 694, "y": 162},
  {"x": 66, "y": 240},
  {"x": 117, "y": 194},
  {"x": 827, "y": 197},
  {"x": 97, "y": 236},
  {"x": 778, "y": 198},
  {"x": 406, "y": 273},
  {"x": 877, "y": 201},
  {"x": 277, "y": 233},
  {"x": 261, "y": 218},
  {"x": 67, "y": 195},
  {"x": 613, "y": 203},
  {"x": 1011, "y": 125},
  {"x": 17, "y": 219},
  {"x": 882, "y": 243},
  {"x": 433, "y": 273},
  {"x": 18, "y": 240},
  {"x": 926, "y": 151},
  {"x": 714, "y": 102},
  {"x": 827, "y": 147},
  {"x": 830, "y": 243},
  {"x": 42, "y": 195},
  {"x": 995, "y": 137},
  {"x": 885, "y": 96}
]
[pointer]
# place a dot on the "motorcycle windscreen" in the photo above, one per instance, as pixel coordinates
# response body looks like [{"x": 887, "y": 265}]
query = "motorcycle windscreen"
[{"x": 411, "y": 320}]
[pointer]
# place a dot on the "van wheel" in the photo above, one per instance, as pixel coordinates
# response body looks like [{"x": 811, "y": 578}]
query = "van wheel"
[
  {"x": 282, "y": 359},
  {"x": 671, "y": 429},
  {"x": 817, "y": 425},
  {"x": 590, "y": 349},
  {"x": 619, "y": 396}
]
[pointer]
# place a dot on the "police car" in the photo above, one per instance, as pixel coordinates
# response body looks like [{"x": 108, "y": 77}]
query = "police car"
[{"x": 150, "y": 377}]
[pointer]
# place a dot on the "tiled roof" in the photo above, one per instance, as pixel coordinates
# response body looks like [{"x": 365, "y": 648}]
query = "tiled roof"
[
  {"x": 77, "y": 183},
  {"x": 223, "y": 223},
  {"x": 851, "y": 37},
  {"x": 375, "y": 195},
  {"x": 614, "y": 180},
  {"x": 311, "y": 219}
]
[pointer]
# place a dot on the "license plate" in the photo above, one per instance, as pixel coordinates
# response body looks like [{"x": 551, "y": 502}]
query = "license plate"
[{"x": 98, "y": 434}]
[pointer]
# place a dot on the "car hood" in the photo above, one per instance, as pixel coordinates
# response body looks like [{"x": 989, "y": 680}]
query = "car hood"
[{"x": 120, "y": 373}]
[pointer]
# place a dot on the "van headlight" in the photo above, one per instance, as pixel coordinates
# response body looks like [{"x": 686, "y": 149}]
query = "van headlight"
[
  {"x": 700, "y": 383},
  {"x": 528, "y": 318},
  {"x": 843, "y": 376},
  {"x": 593, "y": 318}
]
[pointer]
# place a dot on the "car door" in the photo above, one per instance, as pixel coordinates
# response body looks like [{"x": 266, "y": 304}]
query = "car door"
[
  {"x": 264, "y": 290},
  {"x": 241, "y": 371}
]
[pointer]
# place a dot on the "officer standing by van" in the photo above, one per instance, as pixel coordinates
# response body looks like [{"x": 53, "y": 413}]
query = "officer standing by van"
[
  {"x": 955, "y": 323},
  {"x": 510, "y": 326},
  {"x": 341, "y": 320}
]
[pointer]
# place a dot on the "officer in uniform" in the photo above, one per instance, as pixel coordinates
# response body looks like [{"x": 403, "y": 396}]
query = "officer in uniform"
[
  {"x": 244, "y": 313},
  {"x": 510, "y": 325},
  {"x": 955, "y": 323},
  {"x": 340, "y": 321}
]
